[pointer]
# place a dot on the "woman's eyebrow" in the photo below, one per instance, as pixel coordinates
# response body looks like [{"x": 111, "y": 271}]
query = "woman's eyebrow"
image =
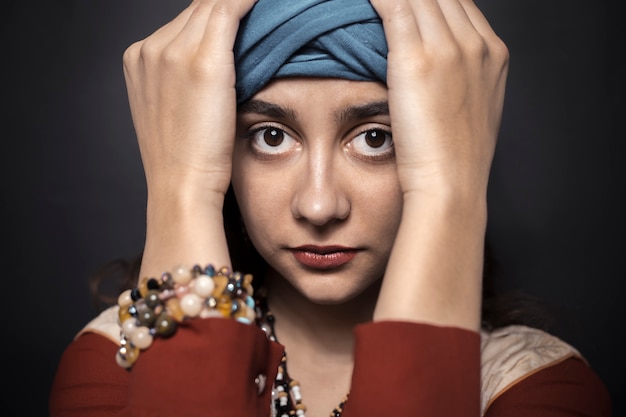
[
  {"x": 375, "y": 108},
  {"x": 267, "y": 109}
]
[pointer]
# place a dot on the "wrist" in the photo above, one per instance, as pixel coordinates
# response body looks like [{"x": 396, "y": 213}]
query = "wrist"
[
  {"x": 445, "y": 179},
  {"x": 441, "y": 243},
  {"x": 447, "y": 190},
  {"x": 183, "y": 230},
  {"x": 453, "y": 208}
]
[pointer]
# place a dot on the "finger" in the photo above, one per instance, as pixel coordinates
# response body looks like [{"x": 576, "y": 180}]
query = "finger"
[
  {"x": 153, "y": 44},
  {"x": 401, "y": 30},
  {"x": 190, "y": 34},
  {"x": 459, "y": 22},
  {"x": 168, "y": 31},
  {"x": 496, "y": 48},
  {"x": 221, "y": 31},
  {"x": 431, "y": 22},
  {"x": 211, "y": 28},
  {"x": 478, "y": 19}
]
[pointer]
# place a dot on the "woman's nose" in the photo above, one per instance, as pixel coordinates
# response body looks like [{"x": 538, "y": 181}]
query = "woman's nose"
[{"x": 320, "y": 196}]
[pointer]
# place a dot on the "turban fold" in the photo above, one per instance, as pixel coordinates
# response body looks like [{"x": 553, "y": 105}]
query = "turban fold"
[{"x": 316, "y": 38}]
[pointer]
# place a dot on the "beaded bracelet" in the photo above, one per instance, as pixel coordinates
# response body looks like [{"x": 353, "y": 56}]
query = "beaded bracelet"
[{"x": 157, "y": 306}]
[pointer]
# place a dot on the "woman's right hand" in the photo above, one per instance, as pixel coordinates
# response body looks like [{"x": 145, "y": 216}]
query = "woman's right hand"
[{"x": 181, "y": 89}]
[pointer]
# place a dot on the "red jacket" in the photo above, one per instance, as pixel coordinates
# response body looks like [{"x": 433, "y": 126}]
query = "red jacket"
[{"x": 209, "y": 367}]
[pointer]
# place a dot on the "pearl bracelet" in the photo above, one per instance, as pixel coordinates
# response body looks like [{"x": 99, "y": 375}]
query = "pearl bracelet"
[{"x": 156, "y": 306}]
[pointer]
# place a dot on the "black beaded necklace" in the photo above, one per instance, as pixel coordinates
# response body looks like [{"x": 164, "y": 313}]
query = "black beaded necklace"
[{"x": 286, "y": 396}]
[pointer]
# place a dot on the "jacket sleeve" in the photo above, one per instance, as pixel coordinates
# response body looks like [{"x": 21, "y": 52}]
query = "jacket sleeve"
[
  {"x": 568, "y": 388},
  {"x": 407, "y": 369},
  {"x": 166, "y": 380},
  {"x": 411, "y": 369}
]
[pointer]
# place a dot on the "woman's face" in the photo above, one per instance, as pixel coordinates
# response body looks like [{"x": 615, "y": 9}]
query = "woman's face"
[{"x": 315, "y": 178}]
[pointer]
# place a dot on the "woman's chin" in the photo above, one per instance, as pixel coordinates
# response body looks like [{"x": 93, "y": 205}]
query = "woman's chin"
[{"x": 330, "y": 288}]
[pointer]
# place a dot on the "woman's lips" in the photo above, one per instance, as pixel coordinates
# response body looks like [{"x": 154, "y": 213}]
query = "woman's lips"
[{"x": 324, "y": 257}]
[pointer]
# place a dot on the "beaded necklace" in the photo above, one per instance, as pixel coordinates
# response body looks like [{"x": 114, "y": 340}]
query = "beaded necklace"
[{"x": 286, "y": 396}]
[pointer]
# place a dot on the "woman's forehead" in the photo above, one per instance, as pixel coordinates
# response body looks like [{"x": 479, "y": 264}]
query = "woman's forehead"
[{"x": 308, "y": 90}]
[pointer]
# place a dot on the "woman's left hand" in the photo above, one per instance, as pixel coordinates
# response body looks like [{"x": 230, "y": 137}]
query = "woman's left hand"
[
  {"x": 446, "y": 77},
  {"x": 446, "y": 80}
]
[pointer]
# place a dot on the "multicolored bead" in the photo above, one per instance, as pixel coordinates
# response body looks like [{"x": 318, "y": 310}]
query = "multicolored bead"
[{"x": 156, "y": 306}]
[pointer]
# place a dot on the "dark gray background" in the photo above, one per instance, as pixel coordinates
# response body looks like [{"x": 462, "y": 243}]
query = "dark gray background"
[{"x": 73, "y": 186}]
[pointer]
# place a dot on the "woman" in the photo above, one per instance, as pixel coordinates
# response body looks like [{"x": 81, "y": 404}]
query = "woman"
[{"x": 368, "y": 289}]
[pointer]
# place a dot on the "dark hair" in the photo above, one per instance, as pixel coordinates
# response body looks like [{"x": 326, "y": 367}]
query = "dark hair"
[
  {"x": 499, "y": 309},
  {"x": 505, "y": 308}
]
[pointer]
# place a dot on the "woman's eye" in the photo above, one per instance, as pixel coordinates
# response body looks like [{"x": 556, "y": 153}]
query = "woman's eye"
[
  {"x": 271, "y": 140},
  {"x": 373, "y": 143}
]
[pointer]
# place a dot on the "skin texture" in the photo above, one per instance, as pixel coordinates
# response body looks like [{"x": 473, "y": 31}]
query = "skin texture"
[
  {"x": 446, "y": 78},
  {"x": 173, "y": 76},
  {"x": 445, "y": 89},
  {"x": 324, "y": 184}
]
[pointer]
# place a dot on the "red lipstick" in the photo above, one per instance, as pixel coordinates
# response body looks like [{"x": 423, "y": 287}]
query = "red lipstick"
[{"x": 323, "y": 257}]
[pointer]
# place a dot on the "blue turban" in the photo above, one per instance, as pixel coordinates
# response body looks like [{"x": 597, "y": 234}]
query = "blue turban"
[{"x": 317, "y": 38}]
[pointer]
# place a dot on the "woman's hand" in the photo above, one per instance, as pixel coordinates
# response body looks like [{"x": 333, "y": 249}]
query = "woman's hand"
[
  {"x": 181, "y": 89},
  {"x": 446, "y": 78}
]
